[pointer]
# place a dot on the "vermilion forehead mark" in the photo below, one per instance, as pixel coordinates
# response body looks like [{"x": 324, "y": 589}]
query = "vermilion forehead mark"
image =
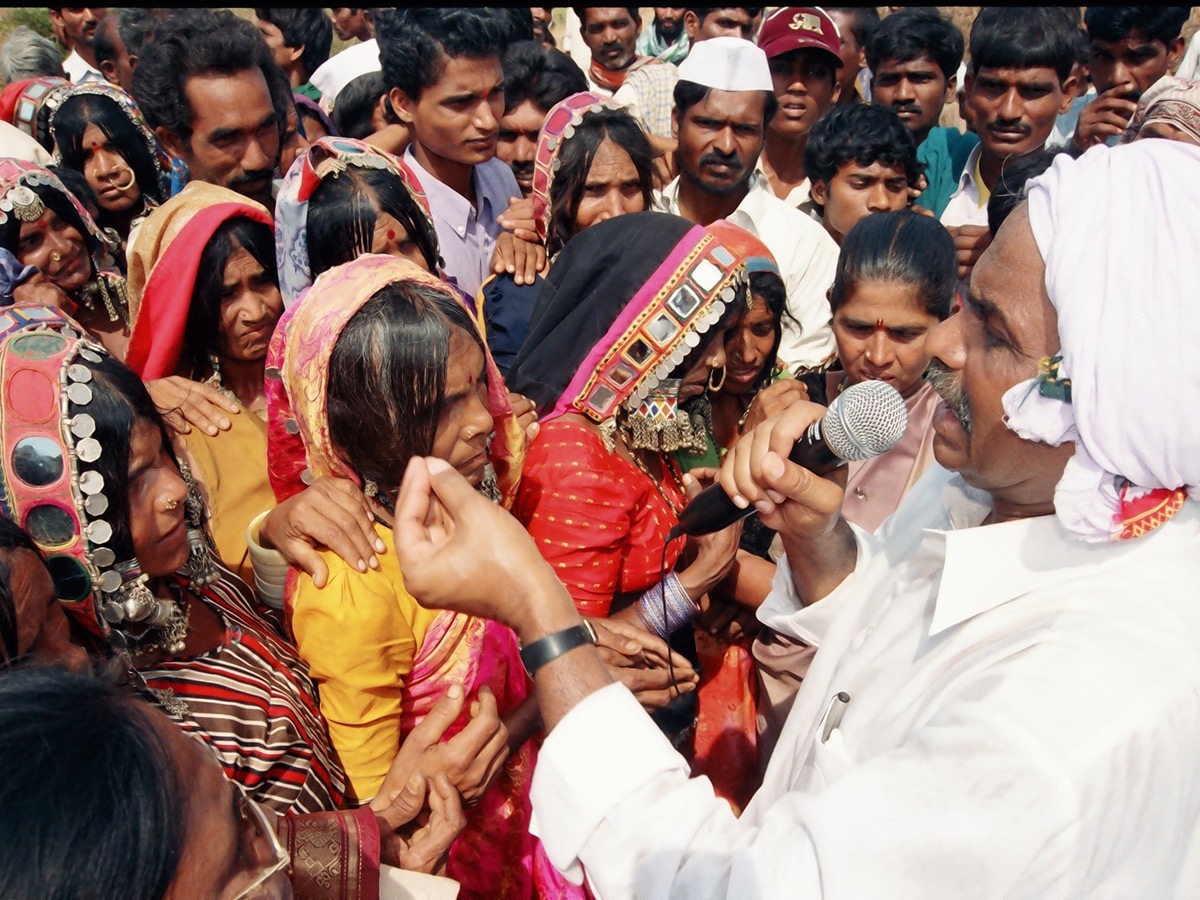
[{"x": 391, "y": 234}]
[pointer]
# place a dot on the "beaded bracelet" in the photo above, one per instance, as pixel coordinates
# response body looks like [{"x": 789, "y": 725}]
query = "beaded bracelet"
[{"x": 679, "y": 607}]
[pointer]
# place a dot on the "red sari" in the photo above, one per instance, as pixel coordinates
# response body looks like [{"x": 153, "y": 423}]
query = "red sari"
[{"x": 601, "y": 522}]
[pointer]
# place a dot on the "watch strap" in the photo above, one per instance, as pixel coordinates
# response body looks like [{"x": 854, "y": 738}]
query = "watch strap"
[{"x": 552, "y": 646}]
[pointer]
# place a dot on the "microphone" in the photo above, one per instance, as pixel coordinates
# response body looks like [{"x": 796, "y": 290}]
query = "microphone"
[{"x": 864, "y": 421}]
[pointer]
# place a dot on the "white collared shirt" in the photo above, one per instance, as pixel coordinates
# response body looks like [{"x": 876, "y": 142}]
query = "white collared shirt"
[
  {"x": 807, "y": 258},
  {"x": 466, "y": 234},
  {"x": 994, "y": 711},
  {"x": 79, "y": 70},
  {"x": 963, "y": 206}
]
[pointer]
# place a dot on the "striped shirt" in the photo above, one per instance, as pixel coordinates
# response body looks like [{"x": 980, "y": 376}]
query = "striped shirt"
[{"x": 252, "y": 701}]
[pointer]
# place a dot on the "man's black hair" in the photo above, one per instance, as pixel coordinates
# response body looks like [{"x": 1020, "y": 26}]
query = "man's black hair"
[
  {"x": 864, "y": 20},
  {"x": 520, "y": 23},
  {"x": 1023, "y": 37},
  {"x": 415, "y": 43},
  {"x": 702, "y": 12},
  {"x": 545, "y": 76},
  {"x": 908, "y": 34},
  {"x": 581, "y": 11},
  {"x": 136, "y": 24},
  {"x": 1010, "y": 187},
  {"x": 306, "y": 27},
  {"x": 190, "y": 43},
  {"x": 1158, "y": 23},
  {"x": 688, "y": 94},
  {"x": 354, "y": 107},
  {"x": 102, "y": 47},
  {"x": 862, "y": 134}
]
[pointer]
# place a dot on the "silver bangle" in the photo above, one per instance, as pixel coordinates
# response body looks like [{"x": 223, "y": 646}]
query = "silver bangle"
[{"x": 679, "y": 607}]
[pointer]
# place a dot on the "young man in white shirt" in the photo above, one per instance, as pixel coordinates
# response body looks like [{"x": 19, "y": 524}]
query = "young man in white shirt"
[
  {"x": 723, "y": 104},
  {"x": 1019, "y": 81},
  {"x": 444, "y": 73},
  {"x": 78, "y": 26}
]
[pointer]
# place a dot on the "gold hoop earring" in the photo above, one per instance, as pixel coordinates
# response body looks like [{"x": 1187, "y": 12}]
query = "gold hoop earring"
[{"x": 720, "y": 384}]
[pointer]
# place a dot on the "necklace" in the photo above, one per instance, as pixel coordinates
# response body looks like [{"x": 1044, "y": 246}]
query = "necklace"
[
  {"x": 214, "y": 380},
  {"x": 668, "y": 468}
]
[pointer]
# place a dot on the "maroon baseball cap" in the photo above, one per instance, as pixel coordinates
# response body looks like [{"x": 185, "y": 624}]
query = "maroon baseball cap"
[{"x": 800, "y": 28}]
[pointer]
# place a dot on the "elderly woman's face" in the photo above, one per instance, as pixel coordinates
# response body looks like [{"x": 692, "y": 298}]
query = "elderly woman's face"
[
  {"x": 465, "y": 423},
  {"x": 392, "y": 239},
  {"x": 748, "y": 345},
  {"x": 156, "y": 503},
  {"x": 57, "y": 248},
  {"x": 107, "y": 173},
  {"x": 250, "y": 307},
  {"x": 42, "y": 631},
  {"x": 612, "y": 187}
]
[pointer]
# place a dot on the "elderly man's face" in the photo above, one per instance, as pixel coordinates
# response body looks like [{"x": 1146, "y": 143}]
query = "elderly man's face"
[{"x": 997, "y": 340}]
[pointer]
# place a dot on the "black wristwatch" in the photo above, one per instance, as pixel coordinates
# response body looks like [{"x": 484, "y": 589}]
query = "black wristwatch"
[{"x": 552, "y": 646}]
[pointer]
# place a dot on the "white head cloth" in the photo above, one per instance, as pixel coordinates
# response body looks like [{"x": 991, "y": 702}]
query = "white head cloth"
[
  {"x": 727, "y": 64},
  {"x": 1170, "y": 100},
  {"x": 1119, "y": 230}
]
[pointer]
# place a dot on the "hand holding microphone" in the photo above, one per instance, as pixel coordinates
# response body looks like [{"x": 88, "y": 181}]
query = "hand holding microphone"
[{"x": 781, "y": 460}]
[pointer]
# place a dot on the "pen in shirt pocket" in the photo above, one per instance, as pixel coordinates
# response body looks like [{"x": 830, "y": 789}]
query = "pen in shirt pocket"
[{"x": 834, "y": 713}]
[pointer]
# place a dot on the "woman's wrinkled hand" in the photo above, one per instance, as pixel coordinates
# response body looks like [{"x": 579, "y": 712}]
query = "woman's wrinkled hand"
[
  {"x": 331, "y": 513},
  {"x": 639, "y": 660},
  {"x": 185, "y": 403},
  {"x": 520, "y": 259},
  {"x": 526, "y": 413},
  {"x": 772, "y": 400},
  {"x": 518, "y": 219}
]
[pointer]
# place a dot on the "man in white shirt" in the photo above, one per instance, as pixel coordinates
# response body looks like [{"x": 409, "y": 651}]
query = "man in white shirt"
[
  {"x": 78, "y": 26},
  {"x": 1014, "y": 108},
  {"x": 446, "y": 81},
  {"x": 1006, "y": 699},
  {"x": 723, "y": 103}
]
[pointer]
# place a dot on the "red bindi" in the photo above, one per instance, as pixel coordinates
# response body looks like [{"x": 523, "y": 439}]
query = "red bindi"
[
  {"x": 391, "y": 235},
  {"x": 879, "y": 324}
]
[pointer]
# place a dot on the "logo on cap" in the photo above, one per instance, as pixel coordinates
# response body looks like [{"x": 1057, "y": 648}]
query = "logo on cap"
[{"x": 806, "y": 22}]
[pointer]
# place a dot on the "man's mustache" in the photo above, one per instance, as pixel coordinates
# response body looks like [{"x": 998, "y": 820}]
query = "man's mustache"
[
  {"x": 906, "y": 106},
  {"x": 251, "y": 177},
  {"x": 522, "y": 168},
  {"x": 715, "y": 158},
  {"x": 948, "y": 386}
]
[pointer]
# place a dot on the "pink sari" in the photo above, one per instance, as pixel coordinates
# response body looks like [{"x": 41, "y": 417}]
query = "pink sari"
[{"x": 495, "y": 856}]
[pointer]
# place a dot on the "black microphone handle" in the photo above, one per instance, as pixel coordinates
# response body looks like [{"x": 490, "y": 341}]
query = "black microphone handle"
[{"x": 711, "y": 509}]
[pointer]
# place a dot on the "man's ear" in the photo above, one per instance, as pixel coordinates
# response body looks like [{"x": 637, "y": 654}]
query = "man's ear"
[
  {"x": 675, "y": 123},
  {"x": 691, "y": 25},
  {"x": 402, "y": 105},
  {"x": 1174, "y": 54},
  {"x": 837, "y": 91},
  {"x": 951, "y": 88},
  {"x": 819, "y": 191},
  {"x": 108, "y": 68},
  {"x": 171, "y": 142},
  {"x": 294, "y": 54},
  {"x": 1070, "y": 83}
]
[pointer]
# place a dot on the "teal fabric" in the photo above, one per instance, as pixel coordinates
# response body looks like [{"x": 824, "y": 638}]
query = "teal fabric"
[{"x": 944, "y": 153}]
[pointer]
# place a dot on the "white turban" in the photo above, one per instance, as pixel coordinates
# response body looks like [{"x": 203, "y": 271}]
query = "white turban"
[{"x": 1119, "y": 230}]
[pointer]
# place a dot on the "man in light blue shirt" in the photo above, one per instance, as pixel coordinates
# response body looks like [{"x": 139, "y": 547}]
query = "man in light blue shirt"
[{"x": 446, "y": 83}]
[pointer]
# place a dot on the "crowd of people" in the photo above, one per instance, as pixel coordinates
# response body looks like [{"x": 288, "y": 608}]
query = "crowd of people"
[{"x": 350, "y": 403}]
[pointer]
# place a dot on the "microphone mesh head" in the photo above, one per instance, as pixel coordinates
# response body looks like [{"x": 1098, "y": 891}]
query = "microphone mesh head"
[{"x": 865, "y": 420}]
